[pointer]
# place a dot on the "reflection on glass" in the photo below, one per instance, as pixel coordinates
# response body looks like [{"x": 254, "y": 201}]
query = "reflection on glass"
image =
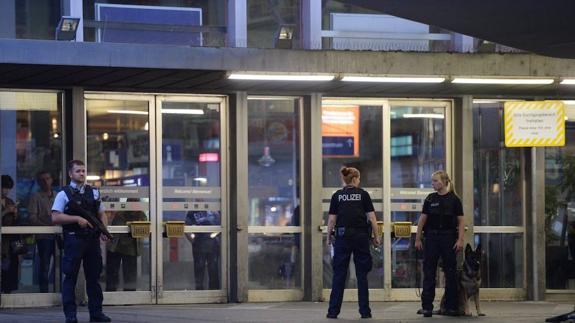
[
  {"x": 560, "y": 210},
  {"x": 417, "y": 145},
  {"x": 131, "y": 254},
  {"x": 118, "y": 156},
  {"x": 274, "y": 261},
  {"x": 181, "y": 14},
  {"x": 497, "y": 170},
  {"x": 374, "y": 277},
  {"x": 352, "y": 136},
  {"x": 37, "y": 20},
  {"x": 31, "y": 169},
  {"x": 191, "y": 264},
  {"x": 273, "y": 162},
  {"x": 502, "y": 263},
  {"x": 407, "y": 264},
  {"x": 269, "y": 21},
  {"x": 191, "y": 164},
  {"x": 31, "y": 268}
]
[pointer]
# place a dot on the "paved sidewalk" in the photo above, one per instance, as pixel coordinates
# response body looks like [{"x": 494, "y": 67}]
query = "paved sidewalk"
[{"x": 501, "y": 312}]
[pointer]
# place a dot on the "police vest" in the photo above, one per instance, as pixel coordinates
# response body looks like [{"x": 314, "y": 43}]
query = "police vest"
[{"x": 86, "y": 200}]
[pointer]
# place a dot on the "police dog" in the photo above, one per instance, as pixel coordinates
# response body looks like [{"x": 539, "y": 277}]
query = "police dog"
[{"x": 468, "y": 283}]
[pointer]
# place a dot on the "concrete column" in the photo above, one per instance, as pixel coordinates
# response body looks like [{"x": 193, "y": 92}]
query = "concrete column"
[
  {"x": 462, "y": 159},
  {"x": 75, "y": 8},
  {"x": 313, "y": 239},
  {"x": 237, "y": 35},
  {"x": 536, "y": 232},
  {"x": 311, "y": 24},
  {"x": 239, "y": 200},
  {"x": 8, "y": 19}
]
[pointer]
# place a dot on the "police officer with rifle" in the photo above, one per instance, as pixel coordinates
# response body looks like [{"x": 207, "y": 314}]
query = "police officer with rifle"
[{"x": 78, "y": 209}]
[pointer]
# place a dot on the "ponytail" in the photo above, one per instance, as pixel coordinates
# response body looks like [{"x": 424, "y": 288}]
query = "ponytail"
[{"x": 444, "y": 178}]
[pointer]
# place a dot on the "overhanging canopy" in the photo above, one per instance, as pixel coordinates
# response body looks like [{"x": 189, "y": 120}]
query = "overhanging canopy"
[{"x": 538, "y": 26}]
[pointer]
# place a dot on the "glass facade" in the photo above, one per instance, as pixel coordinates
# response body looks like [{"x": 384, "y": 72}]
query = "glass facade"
[
  {"x": 118, "y": 159},
  {"x": 274, "y": 24},
  {"x": 194, "y": 23},
  {"x": 274, "y": 193},
  {"x": 498, "y": 191},
  {"x": 31, "y": 168},
  {"x": 559, "y": 212}
]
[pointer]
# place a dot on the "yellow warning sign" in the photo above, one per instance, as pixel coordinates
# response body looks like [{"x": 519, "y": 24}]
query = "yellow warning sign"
[{"x": 534, "y": 124}]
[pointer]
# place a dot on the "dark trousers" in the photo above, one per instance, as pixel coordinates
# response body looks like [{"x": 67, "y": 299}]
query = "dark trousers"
[
  {"x": 45, "y": 254},
  {"x": 10, "y": 268},
  {"x": 358, "y": 245},
  {"x": 129, "y": 271},
  {"x": 86, "y": 250},
  {"x": 203, "y": 259},
  {"x": 436, "y": 246}
]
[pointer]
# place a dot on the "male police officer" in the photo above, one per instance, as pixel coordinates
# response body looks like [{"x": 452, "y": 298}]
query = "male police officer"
[
  {"x": 349, "y": 212},
  {"x": 81, "y": 242}
]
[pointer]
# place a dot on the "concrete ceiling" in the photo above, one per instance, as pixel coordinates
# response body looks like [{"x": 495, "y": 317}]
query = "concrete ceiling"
[{"x": 538, "y": 26}]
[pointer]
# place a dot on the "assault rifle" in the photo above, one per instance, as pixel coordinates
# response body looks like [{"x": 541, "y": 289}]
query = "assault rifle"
[{"x": 75, "y": 207}]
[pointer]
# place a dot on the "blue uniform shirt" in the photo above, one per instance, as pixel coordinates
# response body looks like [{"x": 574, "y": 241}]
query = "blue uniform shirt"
[{"x": 62, "y": 200}]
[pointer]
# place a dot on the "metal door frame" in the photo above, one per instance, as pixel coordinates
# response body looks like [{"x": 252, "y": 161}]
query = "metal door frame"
[
  {"x": 133, "y": 297},
  {"x": 387, "y": 293},
  {"x": 292, "y": 294},
  {"x": 195, "y": 296}
]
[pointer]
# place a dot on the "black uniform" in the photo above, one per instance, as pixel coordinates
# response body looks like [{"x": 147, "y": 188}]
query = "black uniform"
[
  {"x": 440, "y": 232},
  {"x": 350, "y": 204}
]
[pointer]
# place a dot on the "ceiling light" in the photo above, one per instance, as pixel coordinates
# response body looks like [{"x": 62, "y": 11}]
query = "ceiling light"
[
  {"x": 423, "y": 115},
  {"x": 569, "y": 102},
  {"x": 462, "y": 80},
  {"x": 93, "y": 177},
  {"x": 280, "y": 77},
  {"x": 128, "y": 112},
  {"x": 183, "y": 111},
  {"x": 568, "y": 82},
  {"x": 385, "y": 79}
]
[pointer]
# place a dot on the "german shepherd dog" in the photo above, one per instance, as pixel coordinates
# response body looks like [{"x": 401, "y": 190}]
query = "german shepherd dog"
[{"x": 468, "y": 284}]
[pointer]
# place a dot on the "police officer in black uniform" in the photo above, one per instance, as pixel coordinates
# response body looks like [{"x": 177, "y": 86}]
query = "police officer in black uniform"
[
  {"x": 351, "y": 216},
  {"x": 81, "y": 243},
  {"x": 441, "y": 222}
]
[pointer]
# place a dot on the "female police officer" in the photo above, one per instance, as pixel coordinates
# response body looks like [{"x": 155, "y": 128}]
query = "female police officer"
[
  {"x": 442, "y": 223},
  {"x": 349, "y": 212}
]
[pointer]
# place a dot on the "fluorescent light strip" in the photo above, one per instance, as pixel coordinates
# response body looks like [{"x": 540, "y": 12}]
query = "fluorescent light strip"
[
  {"x": 461, "y": 80},
  {"x": 568, "y": 82},
  {"x": 280, "y": 77},
  {"x": 569, "y": 102},
  {"x": 128, "y": 112},
  {"x": 423, "y": 115},
  {"x": 182, "y": 111},
  {"x": 385, "y": 79},
  {"x": 93, "y": 177}
]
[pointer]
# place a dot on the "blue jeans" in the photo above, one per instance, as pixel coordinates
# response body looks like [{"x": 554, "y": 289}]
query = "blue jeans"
[
  {"x": 358, "y": 245},
  {"x": 436, "y": 246},
  {"x": 78, "y": 249}
]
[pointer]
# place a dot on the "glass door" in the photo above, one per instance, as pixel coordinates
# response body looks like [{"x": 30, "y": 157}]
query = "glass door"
[
  {"x": 396, "y": 145},
  {"x": 191, "y": 156},
  {"x": 120, "y": 146},
  {"x": 275, "y": 263},
  {"x": 352, "y": 135}
]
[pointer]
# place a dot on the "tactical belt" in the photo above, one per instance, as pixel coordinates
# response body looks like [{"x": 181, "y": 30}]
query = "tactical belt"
[
  {"x": 441, "y": 231},
  {"x": 341, "y": 232},
  {"x": 86, "y": 234}
]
